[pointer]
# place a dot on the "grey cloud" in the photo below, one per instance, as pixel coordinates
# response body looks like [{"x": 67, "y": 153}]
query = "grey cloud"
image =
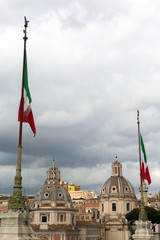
[{"x": 91, "y": 65}]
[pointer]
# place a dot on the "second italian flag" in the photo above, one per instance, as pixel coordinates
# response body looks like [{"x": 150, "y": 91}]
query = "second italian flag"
[{"x": 144, "y": 167}]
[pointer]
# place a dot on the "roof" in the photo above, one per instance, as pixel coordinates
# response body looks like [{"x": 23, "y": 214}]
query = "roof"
[{"x": 117, "y": 185}]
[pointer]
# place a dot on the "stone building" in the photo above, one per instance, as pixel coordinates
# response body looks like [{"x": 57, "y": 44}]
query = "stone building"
[
  {"x": 117, "y": 198},
  {"x": 72, "y": 187},
  {"x": 87, "y": 210},
  {"x": 89, "y": 230},
  {"x": 4, "y": 203},
  {"x": 92, "y": 208},
  {"x": 85, "y": 194},
  {"x": 52, "y": 212}
]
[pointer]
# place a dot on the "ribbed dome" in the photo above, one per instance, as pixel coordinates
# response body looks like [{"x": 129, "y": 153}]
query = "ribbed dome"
[
  {"x": 52, "y": 190},
  {"x": 52, "y": 193},
  {"x": 117, "y": 185}
]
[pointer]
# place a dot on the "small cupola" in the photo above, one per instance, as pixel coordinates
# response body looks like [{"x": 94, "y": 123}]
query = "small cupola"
[
  {"x": 116, "y": 168},
  {"x": 53, "y": 174}
]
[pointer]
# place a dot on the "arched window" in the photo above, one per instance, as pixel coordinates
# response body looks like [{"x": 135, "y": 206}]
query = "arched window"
[
  {"x": 102, "y": 207},
  {"x": 113, "y": 207},
  {"x": 61, "y": 218},
  {"x": 127, "y": 207}
]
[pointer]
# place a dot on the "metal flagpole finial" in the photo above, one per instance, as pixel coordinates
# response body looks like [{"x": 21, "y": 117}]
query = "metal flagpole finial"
[{"x": 25, "y": 28}]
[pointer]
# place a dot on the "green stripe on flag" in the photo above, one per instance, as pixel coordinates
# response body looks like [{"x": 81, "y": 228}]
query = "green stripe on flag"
[
  {"x": 143, "y": 149},
  {"x": 26, "y": 80}
]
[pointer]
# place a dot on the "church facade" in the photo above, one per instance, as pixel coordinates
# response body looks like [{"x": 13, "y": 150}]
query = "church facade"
[
  {"x": 52, "y": 211},
  {"x": 117, "y": 198}
]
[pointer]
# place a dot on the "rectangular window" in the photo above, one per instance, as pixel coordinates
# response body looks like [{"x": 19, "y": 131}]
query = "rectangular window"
[
  {"x": 44, "y": 218},
  {"x": 128, "y": 207},
  {"x": 113, "y": 207}
]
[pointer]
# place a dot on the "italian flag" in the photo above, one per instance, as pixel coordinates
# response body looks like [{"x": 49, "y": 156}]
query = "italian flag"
[
  {"x": 27, "y": 110},
  {"x": 144, "y": 168}
]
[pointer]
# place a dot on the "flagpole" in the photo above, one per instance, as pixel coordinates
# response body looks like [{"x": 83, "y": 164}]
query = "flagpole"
[
  {"x": 17, "y": 201},
  {"x": 138, "y": 122},
  {"x": 22, "y": 92},
  {"x": 142, "y": 213}
]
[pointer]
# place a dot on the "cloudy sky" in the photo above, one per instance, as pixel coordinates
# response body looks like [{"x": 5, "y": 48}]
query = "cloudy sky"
[{"x": 91, "y": 65}]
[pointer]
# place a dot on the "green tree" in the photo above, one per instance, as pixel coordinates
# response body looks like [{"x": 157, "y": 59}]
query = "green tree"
[
  {"x": 152, "y": 214},
  {"x": 158, "y": 217},
  {"x": 133, "y": 215}
]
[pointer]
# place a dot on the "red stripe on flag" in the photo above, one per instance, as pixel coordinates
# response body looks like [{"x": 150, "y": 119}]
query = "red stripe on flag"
[
  {"x": 29, "y": 119},
  {"x": 145, "y": 173}
]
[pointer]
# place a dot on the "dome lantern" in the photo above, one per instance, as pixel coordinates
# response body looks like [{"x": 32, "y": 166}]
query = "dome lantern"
[
  {"x": 53, "y": 174},
  {"x": 116, "y": 168}
]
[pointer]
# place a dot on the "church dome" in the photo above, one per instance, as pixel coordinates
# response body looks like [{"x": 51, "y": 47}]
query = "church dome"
[
  {"x": 52, "y": 190},
  {"x": 52, "y": 193},
  {"x": 52, "y": 212},
  {"x": 117, "y": 185}
]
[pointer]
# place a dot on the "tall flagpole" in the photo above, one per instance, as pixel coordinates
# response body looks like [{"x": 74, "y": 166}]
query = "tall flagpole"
[
  {"x": 17, "y": 200},
  {"x": 138, "y": 122},
  {"x": 142, "y": 213},
  {"x": 22, "y": 92}
]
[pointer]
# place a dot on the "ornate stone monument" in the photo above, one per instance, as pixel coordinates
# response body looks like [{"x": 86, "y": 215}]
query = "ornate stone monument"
[
  {"x": 143, "y": 231},
  {"x": 15, "y": 225}
]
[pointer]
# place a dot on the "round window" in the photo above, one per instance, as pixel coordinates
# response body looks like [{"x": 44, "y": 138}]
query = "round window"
[
  {"x": 60, "y": 194},
  {"x": 46, "y": 194}
]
